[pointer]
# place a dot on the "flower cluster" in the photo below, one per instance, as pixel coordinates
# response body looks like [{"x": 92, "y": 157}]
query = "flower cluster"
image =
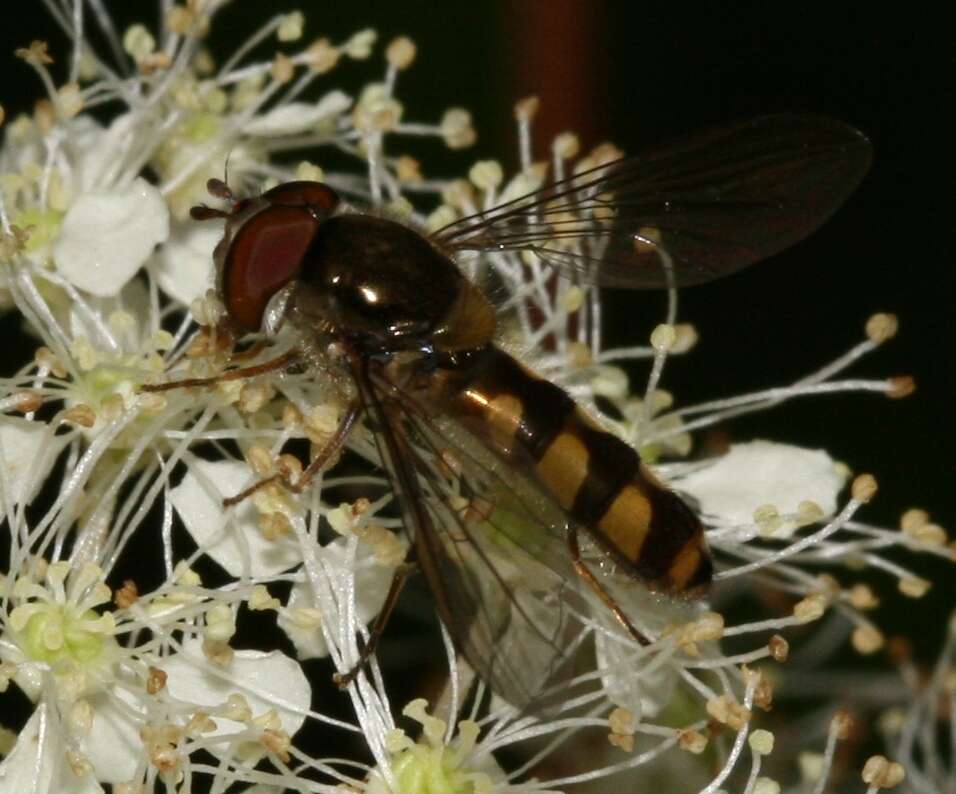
[{"x": 149, "y": 683}]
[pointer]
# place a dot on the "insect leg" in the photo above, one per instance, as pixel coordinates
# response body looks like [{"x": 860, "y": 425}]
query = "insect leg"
[
  {"x": 333, "y": 445},
  {"x": 278, "y": 363},
  {"x": 588, "y": 576},
  {"x": 342, "y": 680}
]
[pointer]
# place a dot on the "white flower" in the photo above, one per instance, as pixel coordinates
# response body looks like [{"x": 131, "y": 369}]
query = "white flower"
[{"x": 55, "y": 631}]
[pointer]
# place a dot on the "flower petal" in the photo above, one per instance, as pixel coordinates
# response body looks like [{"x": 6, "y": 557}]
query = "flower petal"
[
  {"x": 232, "y": 538},
  {"x": 759, "y": 473},
  {"x": 266, "y": 680},
  {"x": 94, "y": 150},
  {"x": 113, "y": 745},
  {"x": 38, "y": 762},
  {"x": 295, "y": 118},
  {"x": 371, "y": 586},
  {"x": 106, "y": 235},
  {"x": 27, "y": 453},
  {"x": 184, "y": 266}
]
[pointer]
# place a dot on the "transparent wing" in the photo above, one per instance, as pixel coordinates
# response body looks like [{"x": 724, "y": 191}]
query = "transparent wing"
[
  {"x": 490, "y": 546},
  {"x": 693, "y": 211}
]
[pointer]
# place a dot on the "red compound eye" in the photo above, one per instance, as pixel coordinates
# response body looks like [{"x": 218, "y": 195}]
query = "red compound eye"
[
  {"x": 314, "y": 195},
  {"x": 265, "y": 255}
]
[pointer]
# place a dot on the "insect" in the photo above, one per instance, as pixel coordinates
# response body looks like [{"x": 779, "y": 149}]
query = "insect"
[{"x": 497, "y": 471}]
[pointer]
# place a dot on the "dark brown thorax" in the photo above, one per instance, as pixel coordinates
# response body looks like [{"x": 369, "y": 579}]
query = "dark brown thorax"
[{"x": 378, "y": 284}]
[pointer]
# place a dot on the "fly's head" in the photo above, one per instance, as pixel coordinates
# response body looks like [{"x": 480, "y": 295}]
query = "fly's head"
[{"x": 264, "y": 247}]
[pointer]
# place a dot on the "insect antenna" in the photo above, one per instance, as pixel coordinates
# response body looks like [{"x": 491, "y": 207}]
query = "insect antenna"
[
  {"x": 201, "y": 212},
  {"x": 220, "y": 189}
]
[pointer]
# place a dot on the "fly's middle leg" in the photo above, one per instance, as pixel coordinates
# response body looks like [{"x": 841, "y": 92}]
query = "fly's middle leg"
[{"x": 333, "y": 445}]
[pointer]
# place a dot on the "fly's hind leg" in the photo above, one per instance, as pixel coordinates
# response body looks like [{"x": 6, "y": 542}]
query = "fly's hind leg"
[
  {"x": 333, "y": 445},
  {"x": 591, "y": 580}
]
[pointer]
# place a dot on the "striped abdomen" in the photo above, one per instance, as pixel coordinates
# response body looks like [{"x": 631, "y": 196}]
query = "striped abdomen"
[{"x": 597, "y": 479}]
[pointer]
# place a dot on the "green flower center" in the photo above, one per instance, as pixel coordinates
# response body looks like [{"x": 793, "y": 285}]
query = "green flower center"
[
  {"x": 435, "y": 770},
  {"x": 44, "y": 225},
  {"x": 57, "y": 633}
]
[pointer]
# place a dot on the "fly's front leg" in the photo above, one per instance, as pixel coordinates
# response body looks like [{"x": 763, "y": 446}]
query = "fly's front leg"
[
  {"x": 333, "y": 445},
  {"x": 588, "y": 576},
  {"x": 279, "y": 363}
]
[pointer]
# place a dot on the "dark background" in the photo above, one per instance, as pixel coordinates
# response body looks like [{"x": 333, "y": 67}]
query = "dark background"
[{"x": 641, "y": 72}]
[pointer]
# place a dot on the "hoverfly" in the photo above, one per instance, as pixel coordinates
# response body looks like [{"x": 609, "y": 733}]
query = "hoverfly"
[{"x": 391, "y": 307}]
